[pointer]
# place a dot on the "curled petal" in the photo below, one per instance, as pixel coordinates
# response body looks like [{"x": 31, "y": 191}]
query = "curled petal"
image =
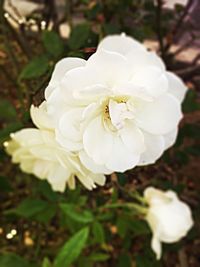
[
  {"x": 61, "y": 68},
  {"x": 87, "y": 181},
  {"x": 155, "y": 196},
  {"x": 72, "y": 182},
  {"x": 156, "y": 246},
  {"x": 40, "y": 116},
  {"x": 176, "y": 87},
  {"x": 55, "y": 106},
  {"x": 121, "y": 44},
  {"x": 99, "y": 179}
]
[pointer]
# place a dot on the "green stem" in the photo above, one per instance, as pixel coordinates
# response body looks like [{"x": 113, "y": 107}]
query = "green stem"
[
  {"x": 138, "y": 197},
  {"x": 140, "y": 209}
]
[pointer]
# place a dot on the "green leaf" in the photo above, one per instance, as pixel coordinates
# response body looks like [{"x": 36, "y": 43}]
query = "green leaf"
[
  {"x": 142, "y": 262},
  {"x": 147, "y": 261},
  {"x": 98, "y": 232},
  {"x": 123, "y": 225},
  {"x": 52, "y": 43},
  {"x": 45, "y": 189},
  {"x": 7, "y": 111},
  {"x": 124, "y": 260},
  {"x": 72, "y": 249},
  {"x": 78, "y": 216},
  {"x": 190, "y": 103},
  {"x": 46, "y": 263},
  {"x": 139, "y": 227},
  {"x": 96, "y": 257},
  {"x": 13, "y": 260},
  {"x": 35, "y": 68},
  {"x": 46, "y": 214},
  {"x": 79, "y": 36},
  {"x": 84, "y": 262},
  {"x": 30, "y": 207},
  {"x": 4, "y": 184}
]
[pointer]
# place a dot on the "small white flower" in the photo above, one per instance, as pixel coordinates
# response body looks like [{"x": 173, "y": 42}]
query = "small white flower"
[
  {"x": 118, "y": 109},
  {"x": 38, "y": 153},
  {"x": 169, "y": 218}
]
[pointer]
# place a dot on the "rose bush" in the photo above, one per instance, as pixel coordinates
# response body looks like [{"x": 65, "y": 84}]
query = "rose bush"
[
  {"x": 117, "y": 110},
  {"x": 107, "y": 107}
]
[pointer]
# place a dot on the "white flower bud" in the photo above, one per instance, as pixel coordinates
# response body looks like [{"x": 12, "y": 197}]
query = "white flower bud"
[{"x": 169, "y": 218}]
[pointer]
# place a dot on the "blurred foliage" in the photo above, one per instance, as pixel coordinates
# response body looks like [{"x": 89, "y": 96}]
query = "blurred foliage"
[{"x": 77, "y": 228}]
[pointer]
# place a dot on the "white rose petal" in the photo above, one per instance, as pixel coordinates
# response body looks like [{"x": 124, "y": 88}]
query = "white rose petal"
[
  {"x": 91, "y": 165},
  {"x": 160, "y": 116},
  {"x": 154, "y": 148},
  {"x": 170, "y": 138},
  {"x": 121, "y": 159},
  {"x": 176, "y": 87},
  {"x": 61, "y": 68},
  {"x": 139, "y": 59},
  {"x": 40, "y": 117},
  {"x": 105, "y": 63},
  {"x": 121, "y": 44},
  {"x": 155, "y": 80},
  {"x": 97, "y": 141}
]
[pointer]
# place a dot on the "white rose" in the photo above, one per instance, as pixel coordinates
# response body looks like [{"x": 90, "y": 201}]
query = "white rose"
[
  {"x": 118, "y": 109},
  {"x": 169, "y": 218},
  {"x": 38, "y": 153}
]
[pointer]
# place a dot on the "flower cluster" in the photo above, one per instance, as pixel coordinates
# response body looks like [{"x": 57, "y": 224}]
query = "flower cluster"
[{"x": 117, "y": 110}]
